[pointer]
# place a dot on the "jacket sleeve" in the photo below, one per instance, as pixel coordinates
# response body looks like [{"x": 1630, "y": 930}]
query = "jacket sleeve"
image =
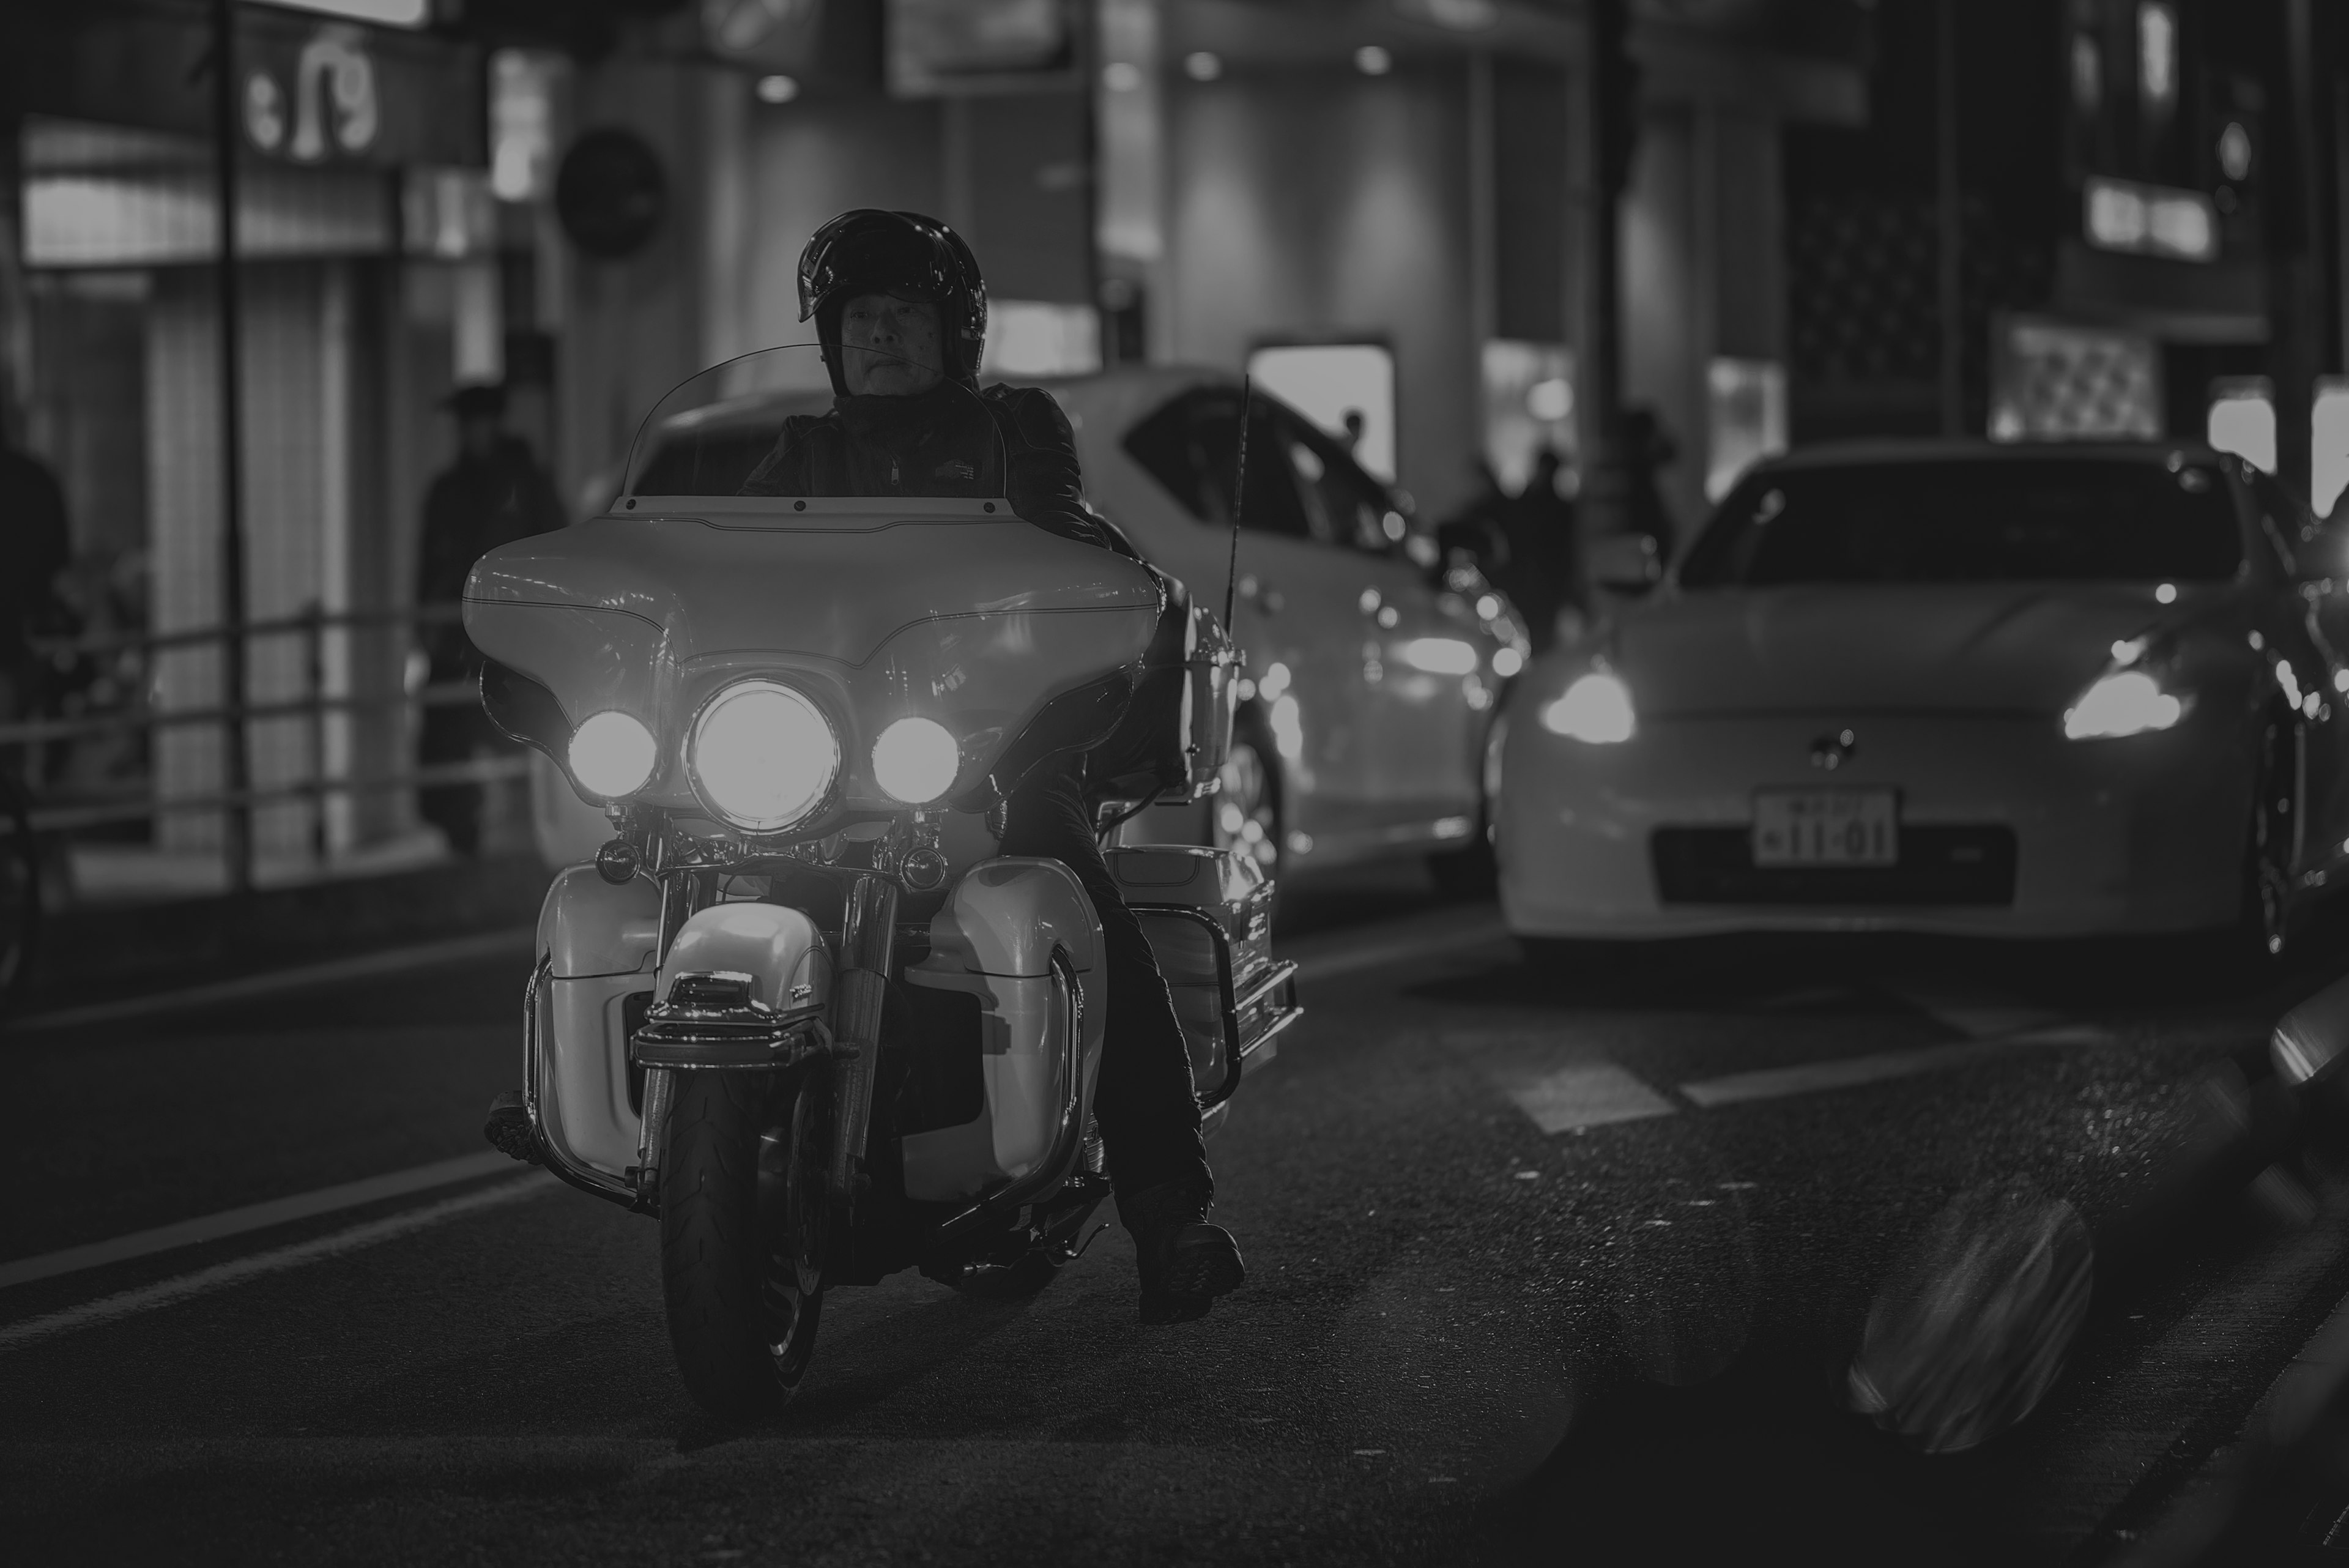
[{"x": 1045, "y": 484}]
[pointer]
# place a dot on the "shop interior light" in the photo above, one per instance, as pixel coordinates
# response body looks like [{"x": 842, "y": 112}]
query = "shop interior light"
[{"x": 2151, "y": 220}]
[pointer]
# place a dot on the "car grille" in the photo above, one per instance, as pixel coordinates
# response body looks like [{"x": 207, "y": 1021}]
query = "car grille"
[{"x": 1938, "y": 866}]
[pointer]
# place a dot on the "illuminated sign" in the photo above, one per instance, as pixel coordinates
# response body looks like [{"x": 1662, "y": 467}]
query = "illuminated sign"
[
  {"x": 2151, "y": 220},
  {"x": 329, "y": 107},
  {"x": 382, "y": 13}
]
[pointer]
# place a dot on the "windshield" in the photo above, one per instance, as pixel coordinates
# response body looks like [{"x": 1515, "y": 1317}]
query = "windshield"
[
  {"x": 769, "y": 424},
  {"x": 2013, "y": 520}
]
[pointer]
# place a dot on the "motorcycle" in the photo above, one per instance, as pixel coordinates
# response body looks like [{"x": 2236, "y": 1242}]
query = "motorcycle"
[{"x": 797, "y": 1007}]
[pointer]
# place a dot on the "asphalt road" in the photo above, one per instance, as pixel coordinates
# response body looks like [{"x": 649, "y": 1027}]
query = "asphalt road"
[{"x": 1548, "y": 1265}]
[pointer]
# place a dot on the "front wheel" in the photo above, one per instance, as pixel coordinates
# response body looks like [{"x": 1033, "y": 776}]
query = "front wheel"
[
  {"x": 1244, "y": 812},
  {"x": 743, "y": 1214}
]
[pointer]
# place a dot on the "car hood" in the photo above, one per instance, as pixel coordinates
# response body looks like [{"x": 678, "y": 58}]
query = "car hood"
[{"x": 1959, "y": 648}]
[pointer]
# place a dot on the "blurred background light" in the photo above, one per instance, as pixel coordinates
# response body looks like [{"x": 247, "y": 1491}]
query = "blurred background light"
[
  {"x": 2157, "y": 47},
  {"x": 778, "y": 88},
  {"x": 2328, "y": 422},
  {"x": 1373, "y": 60},
  {"x": 1202, "y": 66},
  {"x": 1326, "y": 382},
  {"x": 2242, "y": 420},
  {"x": 1121, "y": 76}
]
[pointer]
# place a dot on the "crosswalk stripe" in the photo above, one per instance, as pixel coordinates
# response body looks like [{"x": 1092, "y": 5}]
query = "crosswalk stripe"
[
  {"x": 1882, "y": 1067},
  {"x": 1588, "y": 1094}
]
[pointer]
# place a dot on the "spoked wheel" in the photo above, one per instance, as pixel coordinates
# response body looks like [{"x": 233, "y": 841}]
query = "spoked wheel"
[
  {"x": 20, "y": 891},
  {"x": 744, "y": 1221},
  {"x": 1244, "y": 814}
]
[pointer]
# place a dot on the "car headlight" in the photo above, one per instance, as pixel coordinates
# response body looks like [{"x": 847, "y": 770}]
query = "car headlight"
[
  {"x": 612, "y": 754},
  {"x": 1595, "y": 710},
  {"x": 916, "y": 760},
  {"x": 2125, "y": 703},
  {"x": 762, "y": 755}
]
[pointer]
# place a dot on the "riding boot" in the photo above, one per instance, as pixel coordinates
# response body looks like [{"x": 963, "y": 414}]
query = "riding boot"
[{"x": 1184, "y": 1262}]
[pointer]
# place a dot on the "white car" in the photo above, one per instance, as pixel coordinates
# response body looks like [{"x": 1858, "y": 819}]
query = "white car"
[
  {"x": 2012, "y": 691},
  {"x": 1373, "y": 671}
]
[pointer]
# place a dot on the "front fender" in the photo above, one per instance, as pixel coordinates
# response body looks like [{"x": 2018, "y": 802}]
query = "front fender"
[{"x": 779, "y": 948}]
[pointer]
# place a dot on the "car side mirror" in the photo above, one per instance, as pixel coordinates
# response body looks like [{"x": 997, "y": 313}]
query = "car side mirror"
[{"x": 1624, "y": 563}]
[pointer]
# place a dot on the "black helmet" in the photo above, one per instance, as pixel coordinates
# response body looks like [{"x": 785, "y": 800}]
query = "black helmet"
[{"x": 871, "y": 251}]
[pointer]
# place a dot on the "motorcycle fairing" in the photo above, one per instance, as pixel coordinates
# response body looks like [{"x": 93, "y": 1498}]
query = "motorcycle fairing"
[
  {"x": 933, "y": 607},
  {"x": 779, "y": 948},
  {"x": 997, "y": 938}
]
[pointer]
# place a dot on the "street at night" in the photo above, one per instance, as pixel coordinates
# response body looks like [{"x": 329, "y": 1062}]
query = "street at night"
[{"x": 1491, "y": 1216}]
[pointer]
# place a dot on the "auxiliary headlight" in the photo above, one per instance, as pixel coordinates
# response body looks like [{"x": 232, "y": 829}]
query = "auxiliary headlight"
[
  {"x": 612, "y": 754},
  {"x": 1595, "y": 710},
  {"x": 916, "y": 760},
  {"x": 2125, "y": 703},
  {"x": 762, "y": 755}
]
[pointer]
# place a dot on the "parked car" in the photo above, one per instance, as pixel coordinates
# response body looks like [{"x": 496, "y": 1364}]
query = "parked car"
[
  {"x": 1374, "y": 665},
  {"x": 2020, "y": 691}
]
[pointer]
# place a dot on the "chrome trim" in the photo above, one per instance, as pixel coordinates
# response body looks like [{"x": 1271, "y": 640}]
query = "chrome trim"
[
  {"x": 867, "y": 946},
  {"x": 652, "y": 1137}
]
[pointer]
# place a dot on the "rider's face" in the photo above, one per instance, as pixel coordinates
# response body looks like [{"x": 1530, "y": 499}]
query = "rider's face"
[{"x": 890, "y": 347}]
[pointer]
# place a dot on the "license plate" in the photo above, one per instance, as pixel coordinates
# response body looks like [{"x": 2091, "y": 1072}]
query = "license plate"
[{"x": 1826, "y": 827}]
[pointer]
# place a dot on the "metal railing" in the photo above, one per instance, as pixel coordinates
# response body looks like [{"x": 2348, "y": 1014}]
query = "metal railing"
[{"x": 314, "y": 706}]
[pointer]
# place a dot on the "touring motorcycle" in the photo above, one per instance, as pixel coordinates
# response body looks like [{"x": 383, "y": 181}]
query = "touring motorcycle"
[{"x": 798, "y": 1008}]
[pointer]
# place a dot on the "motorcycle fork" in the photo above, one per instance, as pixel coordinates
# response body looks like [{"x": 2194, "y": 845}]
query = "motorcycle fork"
[
  {"x": 682, "y": 893},
  {"x": 867, "y": 949}
]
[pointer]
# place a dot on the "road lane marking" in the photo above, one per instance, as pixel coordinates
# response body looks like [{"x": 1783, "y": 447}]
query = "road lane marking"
[
  {"x": 237, "y": 1271},
  {"x": 1882, "y": 1067},
  {"x": 1588, "y": 1094},
  {"x": 253, "y": 1217},
  {"x": 1417, "y": 942},
  {"x": 514, "y": 940},
  {"x": 1975, "y": 1015}
]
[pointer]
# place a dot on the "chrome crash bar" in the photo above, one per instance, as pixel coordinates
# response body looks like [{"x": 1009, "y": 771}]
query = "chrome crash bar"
[{"x": 1240, "y": 1055}]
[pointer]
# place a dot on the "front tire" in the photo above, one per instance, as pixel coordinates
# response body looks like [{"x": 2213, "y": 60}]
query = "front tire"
[{"x": 743, "y": 1220}]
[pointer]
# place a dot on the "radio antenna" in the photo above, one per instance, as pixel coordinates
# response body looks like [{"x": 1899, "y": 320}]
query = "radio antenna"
[{"x": 1239, "y": 500}]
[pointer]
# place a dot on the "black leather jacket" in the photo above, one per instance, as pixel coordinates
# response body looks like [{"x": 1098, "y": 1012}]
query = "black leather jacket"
[{"x": 1012, "y": 442}]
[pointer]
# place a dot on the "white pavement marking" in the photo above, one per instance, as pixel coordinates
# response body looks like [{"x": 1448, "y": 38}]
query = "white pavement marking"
[
  {"x": 253, "y": 1217},
  {"x": 1588, "y": 1094},
  {"x": 1417, "y": 942},
  {"x": 366, "y": 966},
  {"x": 1977, "y": 1015},
  {"x": 1849, "y": 1072},
  {"x": 165, "y": 1293}
]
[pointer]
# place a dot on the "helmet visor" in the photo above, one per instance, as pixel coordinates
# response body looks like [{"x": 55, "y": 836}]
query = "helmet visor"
[{"x": 884, "y": 254}]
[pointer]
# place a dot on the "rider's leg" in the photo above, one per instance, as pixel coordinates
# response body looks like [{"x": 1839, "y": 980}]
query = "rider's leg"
[{"x": 1145, "y": 1102}]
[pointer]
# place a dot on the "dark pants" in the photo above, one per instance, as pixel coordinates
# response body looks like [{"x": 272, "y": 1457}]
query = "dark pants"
[{"x": 1145, "y": 1103}]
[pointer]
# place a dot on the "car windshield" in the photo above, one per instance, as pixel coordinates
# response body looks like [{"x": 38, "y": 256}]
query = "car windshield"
[{"x": 2015, "y": 520}]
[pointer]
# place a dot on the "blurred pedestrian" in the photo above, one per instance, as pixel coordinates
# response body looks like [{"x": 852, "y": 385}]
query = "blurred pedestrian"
[
  {"x": 1543, "y": 575},
  {"x": 1355, "y": 423},
  {"x": 1648, "y": 447},
  {"x": 34, "y": 545},
  {"x": 494, "y": 492},
  {"x": 1474, "y": 527}
]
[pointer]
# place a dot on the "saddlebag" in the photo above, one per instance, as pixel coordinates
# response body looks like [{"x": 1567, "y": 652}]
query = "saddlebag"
[{"x": 1208, "y": 916}]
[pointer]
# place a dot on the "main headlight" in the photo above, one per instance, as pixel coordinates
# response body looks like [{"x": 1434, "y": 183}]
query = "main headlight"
[
  {"x": 612, "y": 754},
  {"x": 762, "y": 755},
  {"x": 1595, "y": 710},
  {"x": 2125, "y": 703},
  {"x": 916, "y": 760}
]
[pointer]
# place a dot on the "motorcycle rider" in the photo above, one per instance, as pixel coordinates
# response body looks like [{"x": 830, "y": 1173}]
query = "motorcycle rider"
[{"x": 900, "y": 309}]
